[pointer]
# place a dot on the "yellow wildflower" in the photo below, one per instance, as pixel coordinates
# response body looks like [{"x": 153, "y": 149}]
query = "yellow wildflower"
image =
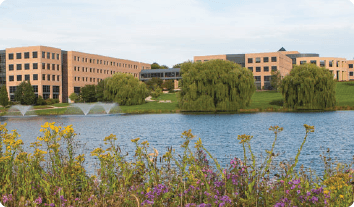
[
  {"x": 97, "y": 152},
  {"x": 135, "y": 140}
]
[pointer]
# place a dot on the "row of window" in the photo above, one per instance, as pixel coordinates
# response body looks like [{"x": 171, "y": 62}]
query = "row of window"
[
  {"x": 265, "y": 69},
  {"x": 46, "y": 91},
  {"x": 104, "y": 62},
  {"x": 26, "y": 66},
  {"x": 86, "y": 79},
  {"x": 93, "y": 70},
  {"x": 160, "y": 75},
  {"x": 34, "y": 77},
  {"x": 322, "y": 63},
  {"x": 265, "y": 59},
  {"x": 265, "y": 78},
  {"x": 26, "y": 55}
]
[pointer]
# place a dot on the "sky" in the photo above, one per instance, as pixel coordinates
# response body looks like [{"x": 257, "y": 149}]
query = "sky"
[{"x": 174, "y": 31}]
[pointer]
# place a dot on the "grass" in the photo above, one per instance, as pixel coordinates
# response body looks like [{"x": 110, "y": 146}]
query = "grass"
[
  {"x": 345, "y": 93},
  {"x": 266, "y": 99}
]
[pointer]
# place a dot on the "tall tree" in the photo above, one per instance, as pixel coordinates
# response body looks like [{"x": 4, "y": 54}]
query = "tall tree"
[
  {"x": 155, "y": 65},
  {"x": 309, "y": 87},
  {"x": 154, "y": 83},
  {"x": 215, "y": 85},
  {"x": 88, "y": 93},
  {"x": 4, "y": 97},
  {"x": 25, "y": 94},
  {"x": 275, "y": 80},
  {"x": 100, "y": 91}
]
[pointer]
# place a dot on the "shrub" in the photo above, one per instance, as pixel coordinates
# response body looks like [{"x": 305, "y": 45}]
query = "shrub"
[
  {"x": 156, "y": 93},
  {"x": 4, "y": 97},
  {"x": 169, "y": 85},
  {"x": 309, "y": 87},
  {"x": 215, "y": 85},
  {"x": 41, "y": 101},
  {"x": 50, "y": 101},
  {"x": 88, "y": 93},
  {"x": 24, "y": 93},
  {"x": 74, "y": 97}
]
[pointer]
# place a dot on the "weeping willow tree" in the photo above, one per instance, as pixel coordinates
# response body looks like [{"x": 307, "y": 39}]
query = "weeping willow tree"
[
  {"x": 125, "y": 90},
  {"x": 216, "y": 85},
  {"x": 309, "y": 87}
]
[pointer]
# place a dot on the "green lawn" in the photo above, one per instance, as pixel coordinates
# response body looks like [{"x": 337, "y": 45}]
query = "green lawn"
[
  {"x": 266, "y": 99},
  {"x": 345, "y": 93}
]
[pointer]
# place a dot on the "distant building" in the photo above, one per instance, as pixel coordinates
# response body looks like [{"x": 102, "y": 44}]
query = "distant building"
[
  {"x": 55, "y": 73},
  {"x": 262, "y": 64},
  {"x": 164, "y": 74}
]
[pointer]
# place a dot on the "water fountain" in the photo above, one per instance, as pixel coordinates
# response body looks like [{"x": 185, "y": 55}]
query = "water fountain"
[
  {"x": 95, "y": 107},
  {"x": 107, "y": 106},
  {"x": 85, "y": 108},
  {"x": 22, "y": 108}
]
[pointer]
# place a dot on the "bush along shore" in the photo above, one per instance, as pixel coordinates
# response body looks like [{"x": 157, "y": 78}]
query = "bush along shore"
[{"x": 54, "y": 175}]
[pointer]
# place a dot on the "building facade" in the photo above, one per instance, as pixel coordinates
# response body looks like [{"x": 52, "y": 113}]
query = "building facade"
[
  {"x": 263, "y": 64},
  {"x": 173, "y": 74},
  {"x": 55, "y": 73}
]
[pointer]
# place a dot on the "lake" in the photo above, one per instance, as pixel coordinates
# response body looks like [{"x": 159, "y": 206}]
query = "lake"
[{"x": 219, "y": 132}]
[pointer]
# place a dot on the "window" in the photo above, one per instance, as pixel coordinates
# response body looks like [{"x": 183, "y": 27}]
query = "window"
[
  {"x": 58, "y": 56},
  {"x": 27, "y": 66},
  {"x": 86, "y": 60},
  {"x": 48, "y": 55},
  {"x": 27, "y": 77},
  {"x": 78, "y": 68},
  {"x": 90, "y": 79},
  {"x": 350, "y": 65},
  {"x": 53, "y": 77},
  {"x": 266, "y": 78},
  {"x": 90, "y": 60},
  {"x": 18, "y": 55},
  {"x": 26, "y": 55},
  {"x": 18, "y": 67},
  {"x": 75, "y": 68},
  {"x": 75, "y": 58},
  {"x": 303, "y": 62},
  {"x": 266, "y": 69},
  {"x": 48, "y": 66},
  {"x": 76, "y": 89},
  {"x": 274, "y": 68},
  {"x": 53, "y": 56},
  {"x": 48, "y": 77},
  {"x": 19, "y": 77},
  {"x": 250, "y": 60},
  {"x": 258, "y": 60},
  {"x": 75, "y": 78},
  {"x": 11, "y": 67},
  {"x": 11, "y": 56},
  {"x": 35, "y": 88},
  {"x": 258, "y": 69},
  {"x": 11, "y": 78},
  {"x": 43, "y": 65},
  {"x": 274, "y": 59},
  {"x": 337, "y": 64},
  {"x": 35, "y": 76},
  {"x": 43, "y": 76},
  {"x": 330, "y": 63},
  {"x": 46, "y": 89},
  {"x": 55, "y": 89},
  {"x": 78, "y": 58},
  {"x": 43, "y": 54},
  {"x": 90, "y": 70},
  {"x": 46, "y": 96},
  {"x": 13, "y": 89},
  {"x": 250, "y": 68},
  {"x": 257, "y": 78},
  {"x": 58, "y": 78},
  {"x": 34, "y": 54},
  {"x": 35, "y": 65},
  {"x": 322, "y": 63},
  {"x": 78, "y": 78},
  {"x": 313, "y": 62},
  {"x": 350, "y": 73},
  {"x": 266, "y": 59},
  {"x": 53, "y": 66}
]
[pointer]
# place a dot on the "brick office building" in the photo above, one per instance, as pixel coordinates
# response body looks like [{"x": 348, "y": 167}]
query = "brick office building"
[
  {"x": 262, "y": 64},
  {"x": 55, "y": 73}
]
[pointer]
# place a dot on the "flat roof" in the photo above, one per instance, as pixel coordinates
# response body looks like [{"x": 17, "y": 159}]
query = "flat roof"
[{"x": 161, "y": 70}]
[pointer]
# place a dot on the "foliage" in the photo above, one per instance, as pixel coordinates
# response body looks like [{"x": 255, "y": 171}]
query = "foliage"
[
  {"x": 125, "y": 89},
  {"x": 4, "y": 97},
  {"x": 100, "y": 87},
  {"x": 24, "y": 93},
  {"x": 154, "y": 83},
  {"x": 41, "y": 101},
  {"x": 50, "y": 101},
  {"x": 177, "y": 65},
  {"x": 169, "y": 85},
  {"x": 215, "y": 85},
  {"x": 54, "y": 175},
  {"x": 88, "y": 93},
  {"x": 156, "y": 93},
  {"x": 155, "y": 65},
  {"x": 275, "y": 80},
  {"x": 74, "y": 97},
  {"x": 309, "y": 87}
]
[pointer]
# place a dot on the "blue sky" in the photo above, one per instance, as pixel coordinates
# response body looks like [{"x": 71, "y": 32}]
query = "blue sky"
[{"x": 170, "y": 32}]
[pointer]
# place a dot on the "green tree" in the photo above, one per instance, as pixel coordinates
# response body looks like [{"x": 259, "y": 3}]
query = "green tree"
[
  {"x": 100, "y": 91},
  {"x": 309, "y": 87},
  {"x": 169, "y": 85},
  {"x": 177, "y": 65},
  {"x": 25, "y": 94},
  {"x": 74, "y": 97},
  {"x": 125, "y": 89},
  {"x": 154, "y": 83},
  {"x": 88, "y": 93},
  {"x": 155, "y": 65},
  {"x": 215, "y": 85},
  {"x": 156, "y": 93},
  {"x": 4, "y": 97},
  {"x": 275, "y": 80}
]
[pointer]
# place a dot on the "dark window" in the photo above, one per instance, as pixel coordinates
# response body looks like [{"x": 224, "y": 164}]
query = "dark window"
[
  {"x": 250, "y": 60},
  {"x": 35, "y": 88},
  {"x": 43, "y": 76},
  {"x": 13, "y": 89},
  {"x": 26, "y": 55},
  {"x": 75, "y": 58},
  {"x": 258, "y": 60},
  {"x": 337, "y": 64},
  {"x": 257, "y": 78},
  {"x": 53, "y": 56},
  {"x": 58, "y": 56},
  {"x": 34, "y": 54},
  {"x": 18, "y": 55},
  {"x": 350, "y": 73},
  {"x": 11, "y": 78},
  {"x": 58, "y": 67},
  {"x": 258, "y": 69},
  {"x": 330, "y": 63},
  {"x": 55, "y": 89},
  {"x": 76, "y": 89},
  {"x": 18, "y": 67},
  {"x": 266, "y": 59},
  {"x": 266, "y": 69},
  {"x": 35, "y": 65},
  {"x": 19, "y": 77},
  {"x": 53, "y": 77},
  {"x": 53, "y": 67},
  {"x": 250, "y": 68},
  {"x": 313, "y": 62},
  {"x": 55, "y": 96},
  {"x": 274, "y": 59},
  {"x": 48, "y": 77},
  {"x": 43, "y": 54},
  {"x": 48, "y": 55},
  {"x": 322, "y": 63},
  {"x": 11, "y": 67},
  {"x": 11, "y": 56},
  {"x": 46, "y": 96},
  {"x": 48, "y": 66},
  {"x": 266, "y": 78},
  {"x": 350, "y": 65},
  {"x": 27, "y": 77},
  {"x": 303, "y": 62},
  {"x": 58, "y": 77},
  {"x": 27, "y": 66},
  {"x": 274, "y": 68},
  {"x": 35, "y": 76},
  {"x": 46, "y": 89},
  {"x": 75, "y": 68},
  {"x": 43, "y": 65}
]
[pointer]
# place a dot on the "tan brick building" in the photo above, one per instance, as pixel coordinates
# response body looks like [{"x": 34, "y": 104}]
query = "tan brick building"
[
  {"x": 262, "y": 64},
  {"x": 56, "y": 74}
]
